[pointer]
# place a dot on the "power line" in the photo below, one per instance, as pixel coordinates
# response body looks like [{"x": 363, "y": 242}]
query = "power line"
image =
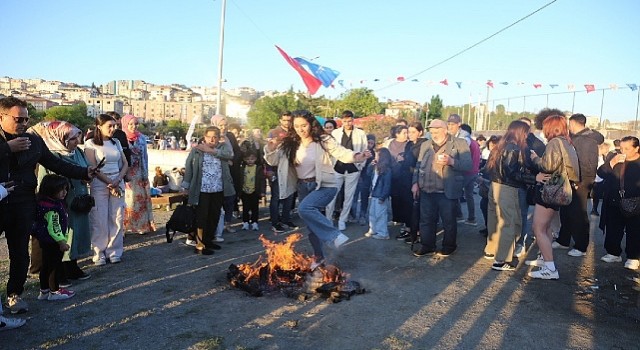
[{"x": 470, "y": 47}]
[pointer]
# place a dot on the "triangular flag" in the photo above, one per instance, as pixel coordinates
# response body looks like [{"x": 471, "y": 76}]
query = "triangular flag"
[
  {"x": 571, "y": 87},
  {"x": 504, "y": 83},
  {"x": 444, "y": 82},
  {"x": 553, "y": 86},
  {"x": 590, "y": 87},
  {"x": 414, "y": 80},
  {"x": 362, "y": 81},
  {"x": 376, "y": 79},
  {"x": 537, "y": 85},
  {"x": 325, "y": 74},
  {"x": 400, "y": 78},
  {"x": 613, "y": 86},
  {"x": 312, "y": 83},
  {"x": 633, "y": 87},
  {"x": 459, "y": 83},
  {"x": 490, "y": 83},
  {"x": 341, "y": 82}
]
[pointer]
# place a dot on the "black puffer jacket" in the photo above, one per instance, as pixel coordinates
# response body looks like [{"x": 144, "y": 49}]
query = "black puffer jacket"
[
  {"x": 510, "y": 166},
  {"x": 20, "y": 167},
  {"x": 586, "y": 144}
]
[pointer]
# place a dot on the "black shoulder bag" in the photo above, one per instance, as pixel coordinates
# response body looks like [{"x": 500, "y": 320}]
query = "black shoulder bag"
[{"x": 629, "y": 206}]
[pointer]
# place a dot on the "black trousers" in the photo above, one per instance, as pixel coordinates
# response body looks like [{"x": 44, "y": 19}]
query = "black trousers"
[
  {"x": 432, "y": 207},
  {"x": 208, "y": 214},
  {"x": 52, "y": 270},
  {"x": 574, "y": 220},
  {"x": 250, "y": 203},
  {"x": 616, "y": 227},
  {"x": 16, "y": 220}
]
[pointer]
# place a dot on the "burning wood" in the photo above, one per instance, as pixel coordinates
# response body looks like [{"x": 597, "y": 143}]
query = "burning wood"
[{"x": 286, "y": 270}]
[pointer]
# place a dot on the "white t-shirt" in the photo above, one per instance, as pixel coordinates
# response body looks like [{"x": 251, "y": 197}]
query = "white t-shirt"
[
  {"x": 110, "y": 152},
  {"x": 306, "y": 160}
]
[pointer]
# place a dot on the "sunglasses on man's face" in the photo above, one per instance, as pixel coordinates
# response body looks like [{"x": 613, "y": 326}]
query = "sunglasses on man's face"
[{"x": 18, "y": 120}]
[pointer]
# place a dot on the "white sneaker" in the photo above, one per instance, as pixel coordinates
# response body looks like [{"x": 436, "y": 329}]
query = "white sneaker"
[
  {"x": 556, "y": 245},
  {"x": 340, "y": 240},
  {"x": 539, "y": 262},
  {"x": 11, "y": 323},
  {"x": 369, "y": 234},
  {"x": 379, "y": 236},
  {"x": 16, "y": 304},
  {"x": 519, "y": 251},
  {"x": 576, "y": 253},
  {"x": 610, "y": 258},
  {"x": 632, "y": 264},
  {"x": 190, "y": 242},
  {"x": 115, "y": 259},
  {"x": 230, "y": 229},
  {"x": 44, "y": 294},
  {"x": 218, "y": 239},
  {"x": 341, "y": 225},
  {"x": 245, "y": 226},
  {"x": 61, "y": 294},
  {"x": 100, "y": 261},
  {"x": 545, "y": 274},
  {"x": 254, "y": 226}
]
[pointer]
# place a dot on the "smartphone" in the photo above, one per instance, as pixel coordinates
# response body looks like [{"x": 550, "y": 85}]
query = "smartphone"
[{"x": 101, "y": 163}]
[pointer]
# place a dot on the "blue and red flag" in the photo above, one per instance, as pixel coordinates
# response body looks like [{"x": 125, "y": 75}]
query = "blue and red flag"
[{"x": 314, "y": 76}]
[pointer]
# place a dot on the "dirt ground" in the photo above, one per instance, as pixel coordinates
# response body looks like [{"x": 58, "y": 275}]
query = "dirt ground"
[{"x": 165, "y": 296}]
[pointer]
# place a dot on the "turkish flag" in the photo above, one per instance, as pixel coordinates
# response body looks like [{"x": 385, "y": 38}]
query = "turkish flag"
[
  {"x": 444, "y": 82},
  {"x": 490, "y": 83},
  {"x": 590, "y": 87}
]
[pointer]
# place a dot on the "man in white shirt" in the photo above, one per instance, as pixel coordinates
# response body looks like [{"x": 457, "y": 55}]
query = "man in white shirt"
[{"x": 348, "y": 174}]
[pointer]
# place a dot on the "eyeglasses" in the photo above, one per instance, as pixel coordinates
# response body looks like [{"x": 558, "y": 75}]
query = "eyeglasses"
[{"x": 19, "y": 120}]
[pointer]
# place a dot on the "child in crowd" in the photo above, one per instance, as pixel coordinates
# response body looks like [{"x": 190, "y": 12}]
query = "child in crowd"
[
  {"x": 50, "y": 229},
  {"x": 252, "y": 189},
  {"x": 160, "y": 182},
  {"x": 380, "y": 169}
]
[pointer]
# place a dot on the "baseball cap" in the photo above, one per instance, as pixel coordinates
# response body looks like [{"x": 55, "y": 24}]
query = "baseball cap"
[
  {"x": 454, "y": 118},
  {"x": 437, "y": 123}
]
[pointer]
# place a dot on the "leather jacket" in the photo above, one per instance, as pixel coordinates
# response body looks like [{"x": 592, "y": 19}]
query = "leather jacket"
[
  {"x": 510, "y": 169},
  {"x": 554, "y": 159}
]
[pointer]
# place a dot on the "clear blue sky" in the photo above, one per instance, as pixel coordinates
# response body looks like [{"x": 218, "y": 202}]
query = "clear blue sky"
[{"x": 162, "y": 42}]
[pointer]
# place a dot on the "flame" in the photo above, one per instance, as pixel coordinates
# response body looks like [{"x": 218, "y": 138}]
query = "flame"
[{"x": 284, "y": 265}]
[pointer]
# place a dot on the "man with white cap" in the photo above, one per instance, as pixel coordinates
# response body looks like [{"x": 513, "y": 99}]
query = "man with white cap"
[{"x": 437, "y": 182}]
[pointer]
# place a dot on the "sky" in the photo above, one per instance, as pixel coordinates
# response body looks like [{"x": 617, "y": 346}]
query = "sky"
[{"x": 163, "y": 42}]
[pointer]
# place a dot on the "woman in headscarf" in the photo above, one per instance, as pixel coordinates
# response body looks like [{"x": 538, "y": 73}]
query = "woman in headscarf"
[
  {"x": 138, "y": 215},
  {"x": 62, "y": 139}
]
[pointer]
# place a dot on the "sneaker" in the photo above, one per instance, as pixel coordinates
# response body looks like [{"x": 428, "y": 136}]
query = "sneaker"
[
  {"x": 230, "y": 229},
  {"x": 100, "y": 261},
  {"x": 114, "y": 260},
  {"x": 61, "y": 294},
  {"x": 379, "y": 236},
  {"x": 611, "y": 258},
  {"x": 203, "y": 251},
  {"x": 245, "y": 226},
  {"x": 277, "y": 228},
  {"x": 340, "y": 240},
  {"x": 81, "y": 276},
  {"x": 489, "y": 256},
  {"x": 556, "y": 245},
  {"x": 519, "y": 251},
  {"x": 502, "y": 266},
  {"x": 471, "y": 222},
  {"x": 409, "y": 240},
  {"x": 545, "y": 274},
  {"x": 218, "y": 239},
  {"x": 342, "y": 225},
  {"x": 632, "y": 264},
  {"x": 576, "y": 253},
  {"x": 539, "y": 262},
  {"x": 44, "y": 294},
  {"x": 444, "y": 253},
  {"x": 190, "y": 242},
  {"x": 402, "y": 235},
  {"x": 369, "y": 234},
  {"x": 290, "y": 225},
  {"x": 423, "y": 251},
  {"x": 254, "y": 226},
  {"x": 64, "y": 284},
  {"x": 460, "y": 219},
  {"x": 11, "y": 323},
  {"x": 17, "y": 305}
]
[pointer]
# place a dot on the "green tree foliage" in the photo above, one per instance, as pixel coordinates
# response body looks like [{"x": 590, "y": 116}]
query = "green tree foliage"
[
  {"x": 380, "y": 128},
  {"x": 362, "y": 102},
  {"x": 35, "y": 115},
  {"x": 265, "y": 113},
  {"x": 435, "y": 108},
  {"x": 75, "y": 114}
]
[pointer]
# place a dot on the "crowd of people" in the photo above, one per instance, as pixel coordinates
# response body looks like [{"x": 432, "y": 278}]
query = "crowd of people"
[{"x": 417, "y": 177}]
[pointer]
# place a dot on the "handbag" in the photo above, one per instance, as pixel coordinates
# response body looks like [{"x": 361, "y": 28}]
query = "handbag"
[
  {"x": 557, "y": 191},
  {"x": 82, "y": 203},
  {"x": 629, "y": 206}
]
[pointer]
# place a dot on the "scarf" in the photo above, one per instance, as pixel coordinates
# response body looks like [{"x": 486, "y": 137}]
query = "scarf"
[
  {"x": 132, "y": 136},
  {"x": 56, "y": 135}
]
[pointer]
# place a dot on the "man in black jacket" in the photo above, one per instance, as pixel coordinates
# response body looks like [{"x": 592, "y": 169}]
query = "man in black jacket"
[
  {"x": 20, "y": 152},
  {"x": 574, "y": 219}
]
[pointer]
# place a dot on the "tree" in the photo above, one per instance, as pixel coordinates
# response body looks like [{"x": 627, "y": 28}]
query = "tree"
[
  {"x": 435, "y": 108},
  {"x": 35, "y": 115},
  {"x": 362, "y": 102},
  {"x": 75, "y": 114},
  {"x": 265, "y": 113}
]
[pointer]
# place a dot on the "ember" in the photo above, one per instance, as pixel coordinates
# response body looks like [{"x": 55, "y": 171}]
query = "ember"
[{"x": 286, "y": 270}]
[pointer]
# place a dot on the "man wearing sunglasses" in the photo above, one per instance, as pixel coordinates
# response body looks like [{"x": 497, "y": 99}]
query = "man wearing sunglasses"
[{"x": 19, "y": 154}]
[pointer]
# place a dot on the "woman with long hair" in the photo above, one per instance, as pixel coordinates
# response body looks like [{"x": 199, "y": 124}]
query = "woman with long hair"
[
  {"x": 559, "y": 155},
  {"x": 401, "y": 200},
  {"x": 138, "y": 214},
  {"x": 504, "y": 218},
  {"x": 106, "y": 218},
  {"x": 305, "y": 156}
]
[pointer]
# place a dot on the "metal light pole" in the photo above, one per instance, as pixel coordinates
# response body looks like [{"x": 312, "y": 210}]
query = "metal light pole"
[{"x": 220, "y": 56}]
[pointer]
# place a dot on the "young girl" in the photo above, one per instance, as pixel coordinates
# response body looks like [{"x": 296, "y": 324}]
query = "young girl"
[
  {"x": 50, "y": 228},
  {"x": 252, "y": 189},
  {"x": 381, "y": 182}
]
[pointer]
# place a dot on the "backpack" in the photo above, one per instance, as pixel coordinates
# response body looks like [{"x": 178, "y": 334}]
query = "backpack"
[{"x": 183, "y": 220}]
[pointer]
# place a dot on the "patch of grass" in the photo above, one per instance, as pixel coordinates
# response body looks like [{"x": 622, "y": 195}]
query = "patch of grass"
[{"x": 214, "y": 343}]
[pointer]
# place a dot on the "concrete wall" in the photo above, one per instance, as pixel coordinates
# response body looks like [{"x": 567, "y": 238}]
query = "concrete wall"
[{"x": 167, "y": 160}]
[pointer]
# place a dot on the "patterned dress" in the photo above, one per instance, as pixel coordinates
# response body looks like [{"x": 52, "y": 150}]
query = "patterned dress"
[{"x": 138, "y": 215}]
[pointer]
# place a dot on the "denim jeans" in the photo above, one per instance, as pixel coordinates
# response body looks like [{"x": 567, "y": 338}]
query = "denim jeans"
[
  {"x": 229, "y": 203},
  {"x": 378, "y": 217},
  {"x": 524, "y": 210},
  {"x": 312, "y": 200},
  {"x": 287, "y": 204},
  {"x": 362, "y": 192},
  {"x": 432, "y": 206},
  {"x": 468, "y": 185}
]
